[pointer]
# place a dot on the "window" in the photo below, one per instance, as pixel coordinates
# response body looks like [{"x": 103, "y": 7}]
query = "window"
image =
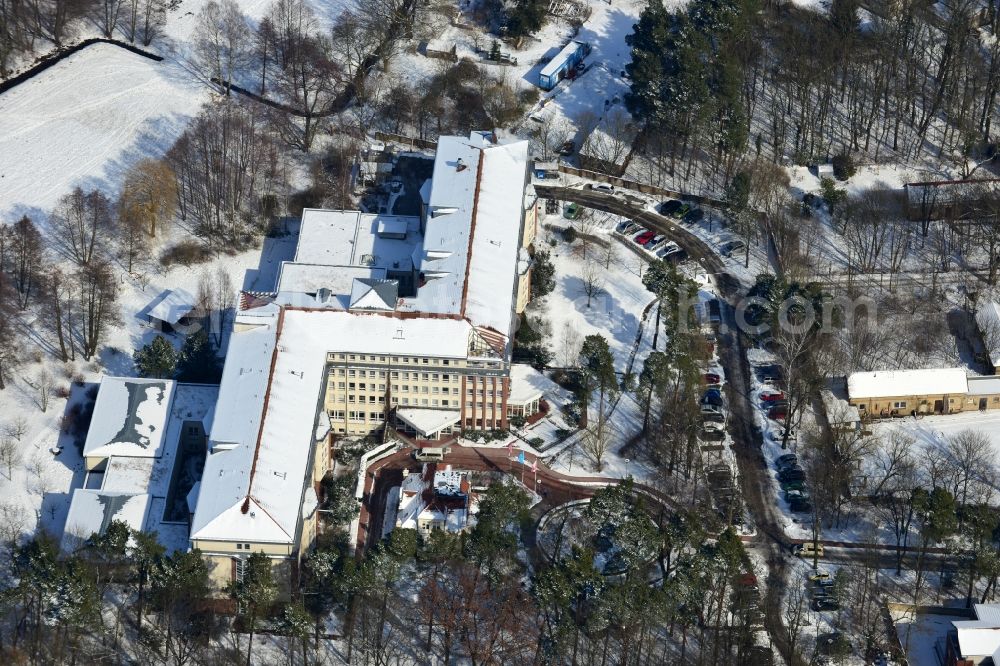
[
  {"x": 340, "y": 356},
  {"x": 424, "y": 401},
  {"x": 381, "y": 387},
  {"x": 444, "y": 403},
  {"x": 445, "y": 362},
  {"x": 425, "y": 361},
  {"x": 899, "y": 404},
  {"x": 371, "y": 373},
  {"x": 406, "y": 401},
  {"x": 434, "y": 376},
  {"x": 351, "y": 357},
  {"x": 395, "y": 374},
  {"x": 406, "y": 388},
  {"x": 454, "y": 391},
  {"x": 239, "y": 546},
  {"x": 371, "y": 399},
  {"x": 382, "y": 359},
  {"x": 340, "y": 385},
  {"x": 337, "y": 414},
  {"x": 434, "y": 403},
  {"x": 362, "y": 386},
  {"x": 350, "y": 373},
  {"x": 424, "y": 376}
]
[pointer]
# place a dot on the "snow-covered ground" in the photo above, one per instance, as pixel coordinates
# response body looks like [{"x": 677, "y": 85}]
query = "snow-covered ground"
[
  {"x": 86, "y": 120},
  {"x": 934, "y": 431}
]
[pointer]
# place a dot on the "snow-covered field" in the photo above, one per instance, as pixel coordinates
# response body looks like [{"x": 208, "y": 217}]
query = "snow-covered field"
[
  {"x": 86, "y": 120},
  {"x": 934, "y": 431}
]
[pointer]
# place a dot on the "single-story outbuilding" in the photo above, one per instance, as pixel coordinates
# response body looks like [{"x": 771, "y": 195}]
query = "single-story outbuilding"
[{"x": 898, "y": 392}]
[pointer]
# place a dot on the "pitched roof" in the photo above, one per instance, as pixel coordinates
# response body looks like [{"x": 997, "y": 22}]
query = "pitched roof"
[
  {"x": 893, "y": 383},
  {"x": 367, "y": 294},
  {"x": 173, "y": 304}
]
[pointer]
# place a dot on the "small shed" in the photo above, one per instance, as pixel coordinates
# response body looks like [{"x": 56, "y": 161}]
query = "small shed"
[{"x": 171, "y": 308}]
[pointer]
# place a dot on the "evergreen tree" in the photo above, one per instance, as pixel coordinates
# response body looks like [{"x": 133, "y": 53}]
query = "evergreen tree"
[
  {"x": 542, "y": 275},
  {"x": 198, "y": 361},
  {"x": 158, "y": 359}
]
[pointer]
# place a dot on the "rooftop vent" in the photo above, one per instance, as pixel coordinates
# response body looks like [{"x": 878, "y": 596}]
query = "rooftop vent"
[{"x": 460, "y": 165}]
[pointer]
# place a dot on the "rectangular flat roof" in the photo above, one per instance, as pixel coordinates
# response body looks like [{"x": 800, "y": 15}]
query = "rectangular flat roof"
[
  {"x": 351, "y": 238},
  {"x": 91, "y": 512},
  {"x": 130, "y": 417},
  {"x": 309, "y": 278}
]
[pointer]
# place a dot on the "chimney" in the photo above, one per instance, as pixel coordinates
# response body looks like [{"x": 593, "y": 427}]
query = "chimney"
[{"x": 460, "y": 165}]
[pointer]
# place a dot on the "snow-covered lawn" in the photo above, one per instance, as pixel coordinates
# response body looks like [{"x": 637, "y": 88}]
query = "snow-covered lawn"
[
  {"x": 920, "y": 634},
  {"x": 86, "y": 120},
  {"x": 936, "y": 430}
]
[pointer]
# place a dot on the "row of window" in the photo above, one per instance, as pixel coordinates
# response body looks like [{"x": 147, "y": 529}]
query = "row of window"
[
  {"x": 396, "y": 374},
  {"x": 382, "y": 359}
]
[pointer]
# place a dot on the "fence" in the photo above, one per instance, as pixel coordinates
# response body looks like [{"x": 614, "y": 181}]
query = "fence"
[{"x": 413, "y": 142}]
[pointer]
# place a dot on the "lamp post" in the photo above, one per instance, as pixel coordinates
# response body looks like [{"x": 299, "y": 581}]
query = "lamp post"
[{"x": 626, "y": 467}]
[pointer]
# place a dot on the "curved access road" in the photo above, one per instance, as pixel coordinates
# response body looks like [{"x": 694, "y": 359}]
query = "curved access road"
[
  {"x": 770, "y": 539},
  {"x": 555, "y": 487}
]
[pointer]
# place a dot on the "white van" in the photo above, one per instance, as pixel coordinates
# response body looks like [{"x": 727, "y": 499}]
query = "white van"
[{"x": 431, "y": 453}]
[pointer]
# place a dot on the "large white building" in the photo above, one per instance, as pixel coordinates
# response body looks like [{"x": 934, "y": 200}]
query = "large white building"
[{"x": 380, "y": 325}]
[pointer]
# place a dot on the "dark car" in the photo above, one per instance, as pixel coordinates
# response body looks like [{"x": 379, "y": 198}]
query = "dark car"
[
  {"x": 681, "y": 211},
  {"x": 567, "y": 148},
  {"x": 711, "y": 378},
  {"x": 669, "y": 207},
  {"x": 825, "y": 604},
  {"x": 786, "y": 459},
  {"x": 800, "y": 505},
  {"x": 676, "y": 256},
  {"x": 794, "y": 474},
  {"x": 694, "y": 216},
  {"x": 712, "y": 399},
  {"x": 779, "y": 413},
  {"x": 793, "y": 485}
]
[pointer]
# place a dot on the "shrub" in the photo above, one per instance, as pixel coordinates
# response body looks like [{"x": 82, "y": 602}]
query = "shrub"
[
  {"x": 185, "y": 253},
  {"x": 843, "y": 166},
  {"x": 569, "y": 235}
]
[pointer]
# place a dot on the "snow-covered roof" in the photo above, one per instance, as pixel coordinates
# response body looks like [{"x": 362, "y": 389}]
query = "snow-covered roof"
[
  {"x": 130, "y": 417},
  {"x": 893, "y": 383},
  {"x": 428, "y": 421},
  {"x": 468, "y": 259},
  {"x": 299, "y": 278},
  {"x": 262, "y": 458},
  {"x": 988, "y": 319},
  {"x": 984, "y": 385},
  {"x": 351, "y": 238},
  {"x": 838, "y": 410},
  {"x": 980, "y": 637},
  {"x": 552, "y": 66},
  {"x": 172, "y": 305},
  {"x": 526, "y": 384},
  {"x": 374, "y": 294},
  {"x": 91, "y": 512}
]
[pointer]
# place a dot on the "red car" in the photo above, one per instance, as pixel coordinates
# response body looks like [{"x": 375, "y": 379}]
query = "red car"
[
  {"x": 645, "y": 237},
  {"x": 777, "y": 413},
  {"x": 772, "y": 397},
  {"x": 711, "y": 378}
]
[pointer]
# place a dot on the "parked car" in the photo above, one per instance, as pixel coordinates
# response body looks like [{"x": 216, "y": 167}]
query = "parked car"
[
  {"x": 632, "y": 228},
  {"x": 793, "y": 485},
  {"x": 793, "y": 474},
  {"x": 772, "y": 396},
  {"x": 730, "y": 248},
  {"x": 807, "y": 549},
  {"x": 693, "y": 216},
  {"x": 713, "y": 397},
  {"x": 653, "y": 242},
  {"x": 711, "y": 378},
  {"x": 771, "y": 373},
  {"x": 713, "y": 417},
  {"x": 567, "y": 148},
  {"x": 786, "y": 459},
  {"x": 676, "y": 257},
  {"x": 788, "y": 464},
  {"x": 824, "y": 583},
  {"x": 571, "y": 212},
  {"x": 779, "y": 413},
  {"x": 711, "y": 435},
  {"x": 669, "y": 207},
  {"x": 712, "y": 426},
  {"x": 644, "y": 237},
  {"x": 681, "y": 211},
  {"x": 711, "y": 409},
  {"x": 622, "y": 227},
  {"x": 825, "y": 605},
  {"x": 800, "y": 505},
  {"x": 603, "y": 187}
]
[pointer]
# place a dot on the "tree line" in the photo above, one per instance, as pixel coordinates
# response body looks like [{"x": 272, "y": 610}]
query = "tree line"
[{"x": 31, "y": 26}]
